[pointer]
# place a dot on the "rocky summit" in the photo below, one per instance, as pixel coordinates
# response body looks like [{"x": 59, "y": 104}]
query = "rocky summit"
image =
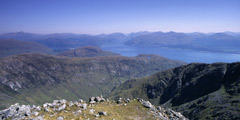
[{"x": 96, "y": 108}]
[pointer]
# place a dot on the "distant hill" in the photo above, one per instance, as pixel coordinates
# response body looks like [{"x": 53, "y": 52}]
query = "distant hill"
[
  {"x": 59, "y": 42},
  {"x": 199, "y": 91},
  {"x": 226, "y": 42},
  {"x": 37, "y": 78},
  {"x": 21, "y": 36},
  {"x": 216, "y": 42},
  {"x": 160, "y": 38},
  {"x": 12, "y": 47},
  {"x": 88, "y": 51}
]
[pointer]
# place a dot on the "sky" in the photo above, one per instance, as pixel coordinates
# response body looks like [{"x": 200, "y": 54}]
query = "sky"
[{"x": 109, "y": 16}]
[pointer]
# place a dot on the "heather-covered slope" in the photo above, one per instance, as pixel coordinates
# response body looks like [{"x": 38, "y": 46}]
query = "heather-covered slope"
[
  {"x": 88, "y": 51},
  {"x": 37, "y": 78},
  {"x": 12, "y": 47},
  {"x": 199, "y": 91}
]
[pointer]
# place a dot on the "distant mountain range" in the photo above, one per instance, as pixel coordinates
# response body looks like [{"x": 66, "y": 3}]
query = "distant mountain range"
[
  {"x": 199, "y": 91},
  {"x": 227, "y": 42},
  {"x": 37, "y": 78},
  {"x": 216, "y": 42},
  {"x": 10, "y": 47}
]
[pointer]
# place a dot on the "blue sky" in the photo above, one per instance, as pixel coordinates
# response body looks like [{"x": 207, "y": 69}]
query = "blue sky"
[{"x": 108, "y": 16}]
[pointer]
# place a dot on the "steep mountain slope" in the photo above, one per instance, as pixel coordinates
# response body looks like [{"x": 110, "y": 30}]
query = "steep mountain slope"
[
  {"x": 199, "y": 91},
  {"x": 88, "y": 51},
  {"x": 12, "y": 47},
  {"x": 37, "y": 78}
]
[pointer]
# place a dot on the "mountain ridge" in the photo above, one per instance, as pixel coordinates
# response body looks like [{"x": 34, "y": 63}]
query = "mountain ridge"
[
  {"x": 87, "y": 51},
  {"x": 197, "y": 90}
]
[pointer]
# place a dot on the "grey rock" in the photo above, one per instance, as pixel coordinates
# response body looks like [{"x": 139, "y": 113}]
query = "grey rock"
[
  {"x": 35, "y": 113},
  {"x": 60, "y": 108},
  {"x": 119, "y": 100},
  {"x": 63, "y": 101},
  {"x": 60, "y": 118},
  {"x": 127, "y": 100},
  {"x": 45, "y": 105},
  {"x": 79, "y": 111},
  {"x": 81, "y": 101},
  {"x": 46, "y": 109},
  {"x": 91, "y": 111},
  {"x": 102, "y": 113},
  {"x": 91, "y": 99},
  {"x": 84, "y": 106},
  {"x": 38, "y": 118},
  {"x": 38, "y": 108},
  {"x": 70, "y": 103},
  {"x": 16, "y": 112},
  {"x": 96, "y": 115},
  {"x": 146, "y": 104},
  {"x": 98, "y": 99}
]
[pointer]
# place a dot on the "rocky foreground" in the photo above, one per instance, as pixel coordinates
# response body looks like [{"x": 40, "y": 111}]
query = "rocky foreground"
[{"x": 97, "y": 108}]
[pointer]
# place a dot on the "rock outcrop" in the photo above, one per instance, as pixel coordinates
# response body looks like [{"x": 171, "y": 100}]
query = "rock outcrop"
[{"x": 63, "y": 109}]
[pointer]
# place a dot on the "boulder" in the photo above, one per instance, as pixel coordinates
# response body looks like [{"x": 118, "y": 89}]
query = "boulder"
[
  {"x": 70, "y": 103},
  {"x": 146, "y": 104},
  {"x": 119, "y": 100},
  {"x": 102, "y": 113}
]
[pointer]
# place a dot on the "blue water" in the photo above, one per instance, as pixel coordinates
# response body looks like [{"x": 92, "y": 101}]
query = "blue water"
[{"x": 185, "y": 55}]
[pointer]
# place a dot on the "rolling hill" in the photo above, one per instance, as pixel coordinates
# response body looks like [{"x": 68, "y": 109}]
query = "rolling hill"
[{"x": 87, "y": 51}]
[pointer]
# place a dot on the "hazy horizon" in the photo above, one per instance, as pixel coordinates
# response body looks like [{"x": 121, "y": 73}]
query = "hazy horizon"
[
  {"x": 106, "y": 16},
  {"x": 114, "y": 32}
]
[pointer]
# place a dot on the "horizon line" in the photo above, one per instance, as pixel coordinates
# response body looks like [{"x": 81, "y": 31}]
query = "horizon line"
[{"x": 113, "y": 32}]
